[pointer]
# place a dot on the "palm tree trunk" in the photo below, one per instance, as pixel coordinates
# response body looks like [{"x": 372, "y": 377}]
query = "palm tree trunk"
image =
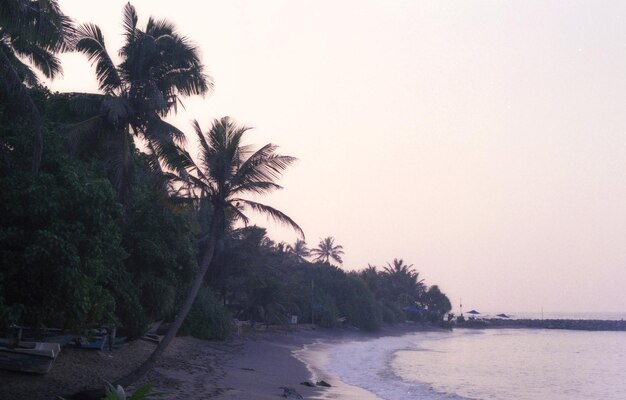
[
  {"x": 15, "y": 88},
  {"x": 207, "y": 257}
]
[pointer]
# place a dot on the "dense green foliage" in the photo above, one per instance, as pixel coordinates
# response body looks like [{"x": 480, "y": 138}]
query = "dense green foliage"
[
  {"x": 60, "y": 240},
  {"x": 336, "y": 295},
  {"x": 160, "y": 241},
  {"x": 208, "y": 319},
  {"x": 71, "y": 256},
  {"x": 101, "y": 232}
]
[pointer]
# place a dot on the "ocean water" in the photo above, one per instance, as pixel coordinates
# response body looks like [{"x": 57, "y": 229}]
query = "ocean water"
[{"x": 486, "y": 364}]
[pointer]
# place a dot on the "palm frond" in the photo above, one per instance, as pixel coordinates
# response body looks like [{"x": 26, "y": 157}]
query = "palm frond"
[
  {"x": 91, "y": 42},
  {"x": 160, "y": 27},
  {"x": 44, "y": 60},
  {"x": 236, "y": 214},
  {"x": 54, "y": 30},
  {"x": 337, "y": 258},
  {"x": 255, "y": 187},
  {"x": 273, "y": 213},
  {"x": 263, "y": 165},
  {"x": 189, "y": 81},
  {"x": 23, "y": 71},
  {"x": 159, "y": 129},
  {"x": 129, "y": 22},
  {"x": 165, "y": 153}
]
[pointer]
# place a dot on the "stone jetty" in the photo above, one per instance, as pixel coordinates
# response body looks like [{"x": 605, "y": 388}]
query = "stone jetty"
[{"x": 572, "y": 324}]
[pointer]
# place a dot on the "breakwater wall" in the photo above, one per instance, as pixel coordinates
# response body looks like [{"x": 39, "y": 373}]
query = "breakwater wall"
[{"x": 572, "y": 324}]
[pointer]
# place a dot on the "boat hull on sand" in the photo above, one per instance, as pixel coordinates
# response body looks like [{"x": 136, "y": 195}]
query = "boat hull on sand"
[{"x": 32, "y": 357}]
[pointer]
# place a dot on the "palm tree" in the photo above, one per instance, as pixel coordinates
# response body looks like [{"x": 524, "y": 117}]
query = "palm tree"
[
  {"x": 225, "y": 170},
  {"x": 327, "y": 250},
  {"x": 31, "y": 32},
  {"x": 402, "y": 280},
  {"x": 371, "y": 277},
  {"x": 299, "y": 250},
  {"x": 158, "y": 67}
]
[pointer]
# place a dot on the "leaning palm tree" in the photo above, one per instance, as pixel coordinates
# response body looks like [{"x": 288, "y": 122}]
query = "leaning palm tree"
[
  {"x": 224, "y": 171},
  {"x": 32, "y": 32},
  {"x": 299, "y": 250},
  {"x": 327, "y": 250},
  {"x": 159, "y": 66}
]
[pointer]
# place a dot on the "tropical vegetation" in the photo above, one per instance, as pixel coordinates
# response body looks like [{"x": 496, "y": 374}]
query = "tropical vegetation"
[{"x": 116, "y": 221}]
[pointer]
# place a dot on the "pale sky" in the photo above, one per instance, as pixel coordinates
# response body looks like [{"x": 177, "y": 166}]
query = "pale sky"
[{"x": 484, "y": 142}]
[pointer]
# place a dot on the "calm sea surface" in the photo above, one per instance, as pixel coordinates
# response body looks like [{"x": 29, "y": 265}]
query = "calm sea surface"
[{"x": 486, "y": 364}]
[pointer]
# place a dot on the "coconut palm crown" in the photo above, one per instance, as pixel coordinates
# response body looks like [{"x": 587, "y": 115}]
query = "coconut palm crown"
[
  {"x": 326, "y": 250},
  {"x": 404, "y": 279},
  {"x": 299, "y": 250},
  {"x": 32, "y": 32},
  {"x": 159, "y": 66},
  {"x": 227, "y": 169}
]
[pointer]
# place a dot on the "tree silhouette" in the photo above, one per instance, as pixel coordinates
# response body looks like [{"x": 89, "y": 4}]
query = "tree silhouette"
[
  {"x": 327, "y": 250},
  {"x": 158, "y": 67},
  {"x": 299, "y": 250}
]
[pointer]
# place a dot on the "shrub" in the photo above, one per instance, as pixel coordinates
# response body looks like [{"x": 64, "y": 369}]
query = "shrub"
[
  {"x": 358, "y": 305},
  {"x": 326, "y": 313},
  {"x": 208, "y": 319},
  {"x": 391, "y": 312}
]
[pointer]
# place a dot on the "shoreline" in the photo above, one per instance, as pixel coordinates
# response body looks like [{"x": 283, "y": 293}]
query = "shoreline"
[
  {"x": 255, "y": 366},
  {"x": 272, "y": 360},
  {"x": 316, "y": 354}
]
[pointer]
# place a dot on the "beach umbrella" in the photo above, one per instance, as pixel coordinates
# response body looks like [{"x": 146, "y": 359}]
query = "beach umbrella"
[
  {"x": 502, "y": 315},
  {"x": 474, "y": 312}
]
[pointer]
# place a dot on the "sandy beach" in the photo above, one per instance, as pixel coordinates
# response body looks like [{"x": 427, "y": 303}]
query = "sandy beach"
[{"x": 255, "y": 366}]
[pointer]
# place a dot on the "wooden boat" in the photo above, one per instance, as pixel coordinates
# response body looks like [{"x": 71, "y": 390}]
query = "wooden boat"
[
  {"x": 91, "y": 343},
  {"x": 152, "y": 337},
  {"x": 48, "y": 335},
  {"x": 33, "y": 357},
  {"x": 156, "y": 333}
]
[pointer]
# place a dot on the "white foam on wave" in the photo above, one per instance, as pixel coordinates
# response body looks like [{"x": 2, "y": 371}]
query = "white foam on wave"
[
  {"x": 366, "y": 364},
  {"x": 520, "y": 364}
]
